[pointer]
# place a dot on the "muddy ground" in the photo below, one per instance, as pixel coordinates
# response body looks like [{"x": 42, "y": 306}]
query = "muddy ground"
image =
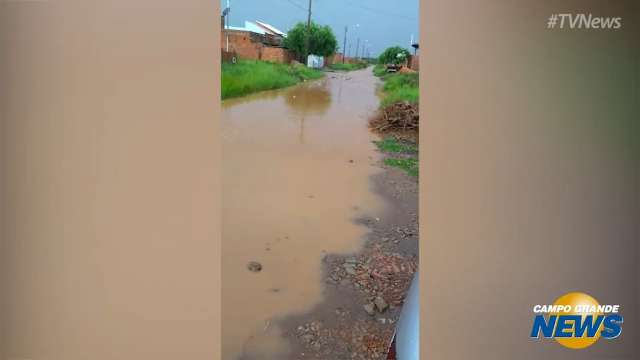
[
  {"x": 293, "y": 255},
  {"x": 364, "y": 291}
]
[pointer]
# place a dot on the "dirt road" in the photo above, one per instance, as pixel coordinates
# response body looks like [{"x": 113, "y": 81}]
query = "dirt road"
[{"x": 306, "y": 198}]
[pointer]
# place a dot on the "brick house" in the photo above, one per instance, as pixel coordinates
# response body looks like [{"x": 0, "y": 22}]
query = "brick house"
[{"x": 256, "y": 40}]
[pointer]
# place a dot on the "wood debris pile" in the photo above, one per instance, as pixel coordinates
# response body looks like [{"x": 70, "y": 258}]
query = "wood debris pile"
[{"x": 397, "y": 116}]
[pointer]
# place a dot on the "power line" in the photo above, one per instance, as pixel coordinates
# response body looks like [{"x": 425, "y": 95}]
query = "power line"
[
  {"x": 344, "y": 50},
  {"x": 378, "y": 11},
  {"x": 300, "y": 7},
  {"x": 306, "y": 45}
]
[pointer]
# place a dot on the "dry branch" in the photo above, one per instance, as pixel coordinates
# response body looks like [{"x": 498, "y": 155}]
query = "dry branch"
[{"x": 398, "y": 116}]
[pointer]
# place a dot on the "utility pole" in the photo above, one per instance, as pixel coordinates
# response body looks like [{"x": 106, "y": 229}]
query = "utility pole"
[
  {"x": 357, "y": 47},
  {"x": 344, "y": 47},
  {"x": 306, "y": 46},
  {"x": 227, "y": 10}
]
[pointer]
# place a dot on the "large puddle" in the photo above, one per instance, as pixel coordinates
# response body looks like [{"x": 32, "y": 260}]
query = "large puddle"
[{"x": 296, "y": 169}]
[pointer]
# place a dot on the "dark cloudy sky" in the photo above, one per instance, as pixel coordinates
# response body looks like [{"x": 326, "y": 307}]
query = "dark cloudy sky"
[{"x": 382, "y": 23}]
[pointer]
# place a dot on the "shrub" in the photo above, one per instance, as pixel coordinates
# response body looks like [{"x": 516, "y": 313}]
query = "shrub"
[
  {"x": 393, "y": 55},
  {"x": 322, "y": 41}
]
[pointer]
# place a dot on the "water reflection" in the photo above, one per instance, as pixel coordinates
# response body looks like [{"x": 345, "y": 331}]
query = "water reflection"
[
  {"x": 309, "y": 98},
  {"x": 312, "y": 98},
  {"x": 262, "y": 95}
]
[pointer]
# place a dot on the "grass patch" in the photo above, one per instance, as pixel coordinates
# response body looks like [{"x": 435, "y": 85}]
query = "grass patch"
[
  {"x": 398, "y": 87},
  {"x": 347, "y": 67},
  {"x": 247, "y": 77},
  {"x": 402, "y": 94},
  {"x": 379, "y": 70},
  {"x": 399, "y": 80},
  {"x": 401, "y": 87},
  {"x": 409, "y": 165},
  {"x": 406, "y": 149},
  {"x": 391, "y": 145}
]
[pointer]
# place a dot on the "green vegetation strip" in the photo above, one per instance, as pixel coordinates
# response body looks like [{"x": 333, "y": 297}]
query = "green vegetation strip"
[
  {"x": 409, "y": 162},
  {"x": 401, "y": 87},
  {"x": 247, "y": 77},
  {"x": 409, "y": 165},
  {"x": 379, "y": 70},
  {"x": 398, "y": 87},
  {"x": 391, "y": 145}
]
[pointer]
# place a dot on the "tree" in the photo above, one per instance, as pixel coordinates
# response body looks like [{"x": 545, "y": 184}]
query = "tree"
[
  {"x": 322, "y": 41},
  {"x": 393, "y": 55}
]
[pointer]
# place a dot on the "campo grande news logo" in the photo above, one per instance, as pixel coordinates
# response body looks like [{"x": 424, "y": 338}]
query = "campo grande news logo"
[{"x": 576, "y": 320}]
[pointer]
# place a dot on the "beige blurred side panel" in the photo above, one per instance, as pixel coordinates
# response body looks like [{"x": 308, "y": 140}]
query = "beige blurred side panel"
[
  {"x": 110, "y": 237},
  {"x": 529, "y": 178}
]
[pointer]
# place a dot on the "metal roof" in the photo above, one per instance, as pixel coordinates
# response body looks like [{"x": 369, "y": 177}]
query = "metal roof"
[
  {"x": 270, "y": 28},
  {"x": 258, "y": 27}
]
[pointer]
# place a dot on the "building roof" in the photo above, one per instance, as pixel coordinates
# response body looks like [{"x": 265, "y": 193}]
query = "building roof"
[
  {"x": 270, "y": 29},
  {"x": 258, "y": 27},
  {"x": 241, "y": 28}
]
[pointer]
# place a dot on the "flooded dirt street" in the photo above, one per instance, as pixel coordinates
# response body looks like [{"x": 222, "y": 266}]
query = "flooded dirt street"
[{"x": 297, "y": 170}]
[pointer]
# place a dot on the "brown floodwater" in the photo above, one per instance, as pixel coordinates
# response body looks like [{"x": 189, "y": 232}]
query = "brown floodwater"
[{"x": 296, "y": 173}]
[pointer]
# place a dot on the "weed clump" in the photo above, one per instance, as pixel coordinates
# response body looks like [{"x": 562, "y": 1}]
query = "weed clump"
[{"x": 247, "y": 77}]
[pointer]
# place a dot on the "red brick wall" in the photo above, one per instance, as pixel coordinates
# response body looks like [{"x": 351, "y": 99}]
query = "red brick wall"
[
  {"x": 414, "y": 62},
  {"x": 241, "y": 43},
  {"x": 276, "y": 54},
  {"x": 228, "y": 56},
  {"x": 337, "y": 59},
  {"x": 248, "y": 46}
]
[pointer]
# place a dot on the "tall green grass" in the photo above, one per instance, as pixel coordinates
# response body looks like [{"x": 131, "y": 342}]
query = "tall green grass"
[
  {"x": 411, "y": 95},
  {"x": 400, "y": 80},
  {"x": 247, "y": 77},
  {"x": 379, "y": 70},
  {"x": 401, "y": 87},
  {"x": 398, "y": 87}
]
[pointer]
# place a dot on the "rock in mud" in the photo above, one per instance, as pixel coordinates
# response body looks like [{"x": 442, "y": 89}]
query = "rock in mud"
[
  {"x": 254, "y": 266},
  {"x": 381, "y": 304},
  {"x": 308, "y": 338},
  {"x": 350, "y": 269},
  {"x": 370, "y": 309}
]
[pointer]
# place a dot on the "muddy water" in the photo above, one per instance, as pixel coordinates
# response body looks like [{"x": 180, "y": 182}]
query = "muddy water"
[{"x": 296, "y": 168}]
